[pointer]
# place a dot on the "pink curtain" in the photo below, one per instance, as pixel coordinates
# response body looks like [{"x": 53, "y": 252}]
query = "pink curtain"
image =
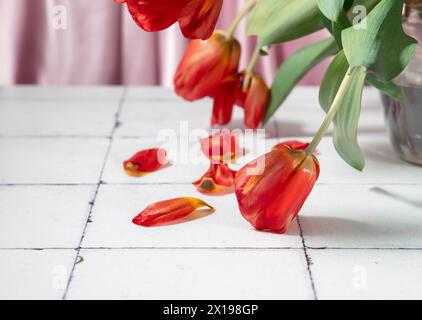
[{"x": 84, "y": 42}]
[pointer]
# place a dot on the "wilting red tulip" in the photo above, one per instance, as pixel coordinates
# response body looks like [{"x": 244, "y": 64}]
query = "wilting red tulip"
[
  {"x": 145, "y": 161},
  {"x": 222, "y": 146},
  {"x": 253, "y": 97},
  {"x": 197, "y": 18},
  {"x": 219, "y": 179},
  {"x": 292, "y": 144},
  {"x": 206, "y": 65},
  {"x": 272, "y": 199},
  {"x": 170, "y": 212}
]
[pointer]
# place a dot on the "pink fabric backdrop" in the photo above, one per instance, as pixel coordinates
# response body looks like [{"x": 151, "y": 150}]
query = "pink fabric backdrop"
[{"x": 102, "y": 45}]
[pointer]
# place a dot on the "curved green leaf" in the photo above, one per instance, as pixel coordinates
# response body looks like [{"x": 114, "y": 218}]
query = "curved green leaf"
[
  {"x": 347, "y": 119},
  {"x": 379, "y": 42},
  {"x": 331, "y": 9},
  {"x": 388, "y": 87},
  {"x": 277, "y": 21},
  {"x": 294, "y": 69}
]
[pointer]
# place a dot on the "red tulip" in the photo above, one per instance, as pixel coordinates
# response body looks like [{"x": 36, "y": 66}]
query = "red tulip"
[
  {"x": 170, "y": 212},
  {"x": 206, "y": 65},
  {"x": 292, "y": 144},
  {"x": 254, "y": 98},
  {"x": 219, "y": 179},
  {"x": 272, "y": 200},
  {"x": 222, "y": 146},
  {"x": 145, "y": 161},
  {"x": 197, "y": 18}
]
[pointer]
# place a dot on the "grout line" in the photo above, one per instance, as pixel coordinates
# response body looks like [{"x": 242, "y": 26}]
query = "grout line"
[
  {"x": 213, "y": 248},
  {"x": 52, "y": 136},
  {"x": 308, "y": 260},
  {"x": 92, "y": 203},
  {"x": 45, "y": 184}
]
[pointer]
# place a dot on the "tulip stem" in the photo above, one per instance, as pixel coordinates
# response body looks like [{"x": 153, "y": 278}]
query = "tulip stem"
[
  {"x": 254, "y": 60},
  {"x": 335, "y": 106},
  {"x": 245, "y": 10}
]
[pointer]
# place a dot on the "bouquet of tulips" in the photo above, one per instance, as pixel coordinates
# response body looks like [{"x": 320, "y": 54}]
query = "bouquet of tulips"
[{"x": 368, "y": 45}]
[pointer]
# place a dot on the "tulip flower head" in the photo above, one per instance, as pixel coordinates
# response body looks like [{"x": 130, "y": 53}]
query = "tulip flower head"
[
  {"x": 219, "y": 179},
  {"x": 253, "y": 97},
  {"x": 145, "y": 161},
  {"x": 271, "y": 201},
  {"x": 206, "y": 65},
  {"x": 197, "y": 18},
  {"x": 171, "y": 211}
]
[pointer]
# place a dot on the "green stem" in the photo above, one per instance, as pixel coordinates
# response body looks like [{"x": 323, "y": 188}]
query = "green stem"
[
  {"x": 245, "y": 10},
  {"x": 254, "y": 60},
  {"x": 335, "y": 106}
]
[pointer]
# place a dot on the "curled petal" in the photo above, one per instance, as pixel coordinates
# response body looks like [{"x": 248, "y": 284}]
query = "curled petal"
[
  {"x": 222, "y": 146},
  {"x": 171, "y": 211},
  {"x": 205, "y": 65},
  {"x": 272, "y": 189},
  {"x": 219, "y": 179},
  {"x": 293, "y": 145},
  {"x": 198, "y": 18},
  {"x": 224, "y": 100},
  {"x": 145, "y": 161}
]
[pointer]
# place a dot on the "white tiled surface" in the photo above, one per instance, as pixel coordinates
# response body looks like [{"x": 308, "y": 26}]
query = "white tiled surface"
[
  {"x": 63, "y": 190},
  {"x": 367, "y": 274},
  {"x": 191, "y": 274}
]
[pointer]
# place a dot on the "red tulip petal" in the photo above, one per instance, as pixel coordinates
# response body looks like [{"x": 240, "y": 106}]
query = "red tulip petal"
[
  {"x": 256, "y": 102},
  {"x": 199, "y": 17},
  {"x": 145, "y": 161},
  {"x": 224, "y": 101},
  {"x": 171, "y": 211},
  {"x": 222, "y": 146},
  {"x": 218, "y": 179},
  {"x": 155, "y": 15},
  {"x": 293, "y": 145}
]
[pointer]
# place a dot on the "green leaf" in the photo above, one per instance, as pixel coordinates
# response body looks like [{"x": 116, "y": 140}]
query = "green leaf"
[
  {"x": 331, "y": 9},
  {"x": 294, "y": 69},
  {"x": 277, "y": 21},
  {"x": 388, "y": 88},
  {"x": 347, "y": 119},
  {"x": 379, "y": 42}
]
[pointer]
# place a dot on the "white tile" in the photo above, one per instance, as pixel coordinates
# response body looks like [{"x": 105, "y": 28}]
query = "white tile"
[
  {"x": 367, "y": 274},
  {"x": 151, "y": 93},
  {"x": 191, "y": 274},
  {"x": 43, "y": 216},
  {"x": 46, "y": 160},
  {"x": 188, "y": 163},
  {"x": 151, "y": 118},
  {"x": 34, "y": 274},
  {"x": 116, "y": 206},
  {"x": 58, "y": 117},
  {"x": 343, "y": 216},
  {"x": 32, "y": 92},
  {"x": 383, "y": 166}
]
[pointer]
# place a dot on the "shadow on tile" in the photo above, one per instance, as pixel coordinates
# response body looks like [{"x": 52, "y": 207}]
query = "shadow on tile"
[{"x": 347, "y": 229}]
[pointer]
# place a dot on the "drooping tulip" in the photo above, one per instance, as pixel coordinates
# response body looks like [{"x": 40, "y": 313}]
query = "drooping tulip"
[
  {"x": 171, "y": 211},
  {"x": 292, "y": 144},
  {"x": 253, "y": 96},
  {"x": 272, "y": 189},
  {"x": 222, "y": 146},
  {"x": 206, "y": 65},
  {"x": 197, "y": 18},
  {"x": 219, "y": 179},
  {"x": 145, "y": 161}
]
